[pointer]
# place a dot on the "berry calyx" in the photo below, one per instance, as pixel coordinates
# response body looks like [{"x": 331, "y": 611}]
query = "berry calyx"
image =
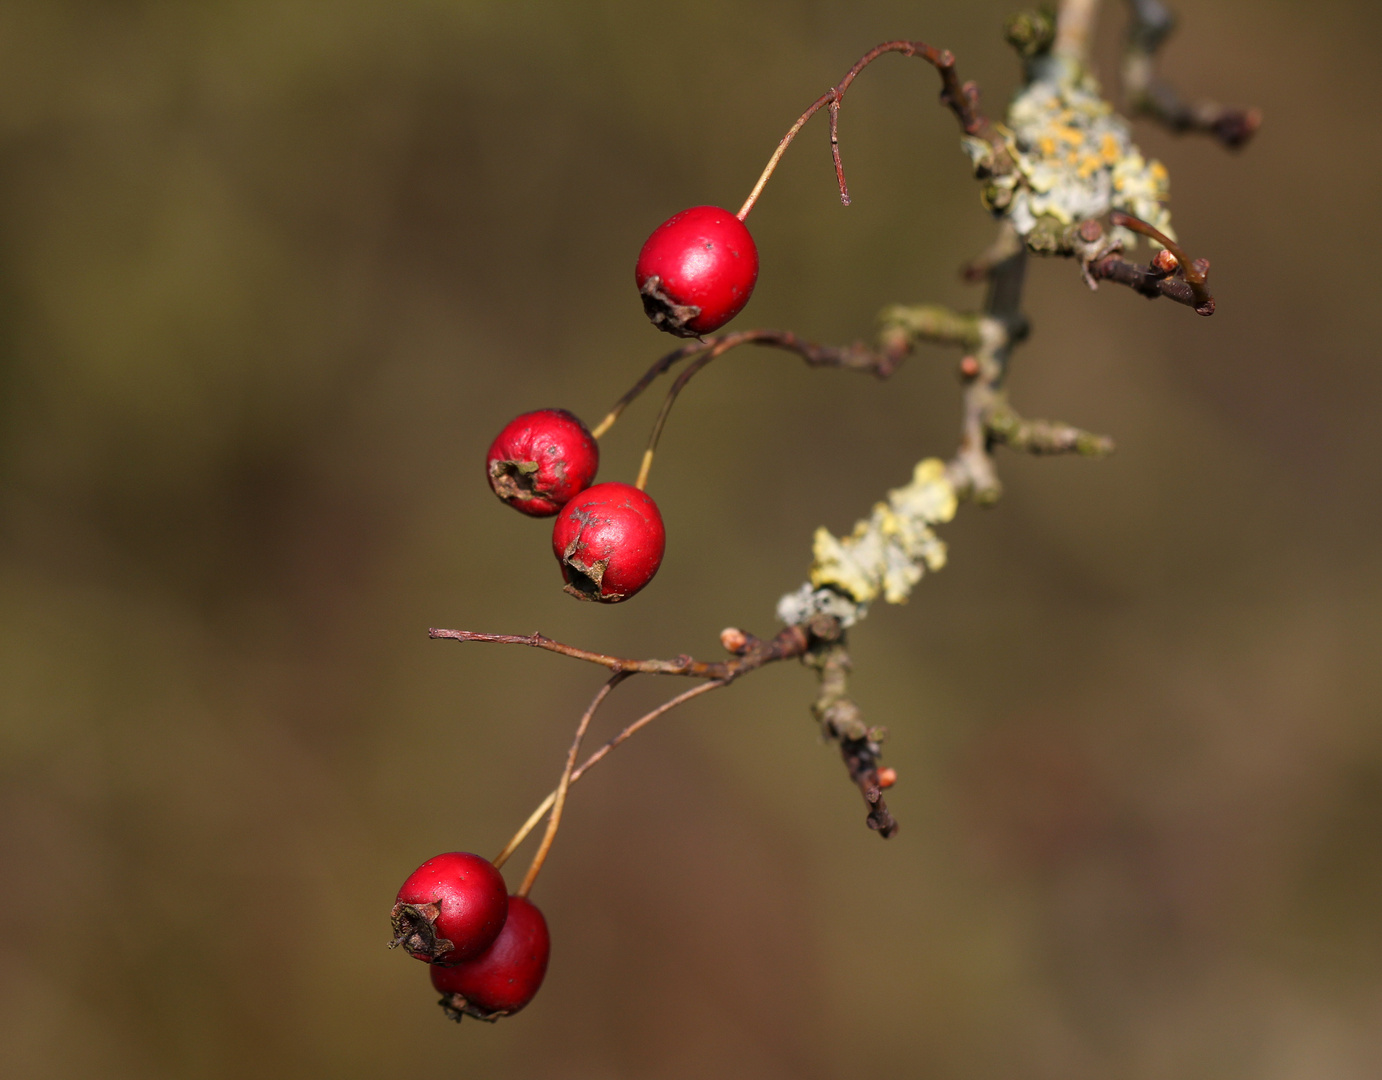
[
  {"x": 506, "y": 976},
  {"x": 451, "y": 908},
  {"x": 697, "y": 271},
  {"x": 540, "y": 460},
  {"x": 609, "y": 540}
]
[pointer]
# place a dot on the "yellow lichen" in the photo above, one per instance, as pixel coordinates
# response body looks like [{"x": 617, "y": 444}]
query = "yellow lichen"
[{"x": 887, "y": 552}]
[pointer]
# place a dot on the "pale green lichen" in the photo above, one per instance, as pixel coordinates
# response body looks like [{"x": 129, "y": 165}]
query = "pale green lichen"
[
  {"x": 886, "y": 554},
  {"x": 1073, "y": 158}
]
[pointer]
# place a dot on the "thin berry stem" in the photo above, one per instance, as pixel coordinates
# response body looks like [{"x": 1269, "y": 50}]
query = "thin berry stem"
[
  {"x": 559, "y": 798},
  {"x": 687, "y": 373},
  {"x": 599, "y": 755},
  {"x": 786, "y": 141},
  {"x": 649, "y": 377},
  {"x": 961, "y": 100},
  {"x": 855, "y": 356}
]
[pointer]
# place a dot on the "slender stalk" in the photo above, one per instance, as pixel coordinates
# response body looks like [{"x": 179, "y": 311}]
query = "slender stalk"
[
  {"x": 559, "y": 797},
  {"x": 854, "y": 356},
  {"x": 955, "y": 96},
  {"x": 782, "y": 149},
  {"x": 599, "y": 755},
  {"x": 687, "y": 373},
  {"x": 662, "y": 365}
]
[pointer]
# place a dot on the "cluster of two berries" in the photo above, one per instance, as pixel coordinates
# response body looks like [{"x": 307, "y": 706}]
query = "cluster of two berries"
[
  {"x": 695, "y": 273},
  {"x": 487, "y": 950}
]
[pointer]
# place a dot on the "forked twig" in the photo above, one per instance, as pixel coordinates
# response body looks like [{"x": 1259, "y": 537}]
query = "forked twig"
[{"x": 962, "y": 100}]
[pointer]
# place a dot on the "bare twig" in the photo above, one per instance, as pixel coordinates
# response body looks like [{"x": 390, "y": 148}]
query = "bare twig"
[
  {"x": 855, "y": 357},
  {"x": 1151, "y": 95},
  {"x": 840, "y": 722},
  {"x": 962, "y": 100},
  {"x": 791, "y": 642},
  {"x": 1184, "y": 281},
  {"x": 1149, "y": 283},
  {"x": 1044, "y": 436}
]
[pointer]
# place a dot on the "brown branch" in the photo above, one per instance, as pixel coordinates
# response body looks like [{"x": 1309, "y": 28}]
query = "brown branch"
[
  {"x": 1153, "y": 96},
  {"x": 861, "y": 759},
  {"x": 1192, "y": 270},
  {"x": 855, "y": 357},
  {"x": 1149, "y": 282},
  {"x": 961, "y": 99},
  {"x": 840, "y": 722},
  {"x": 1176, "y": 277},
  {"x": 791, "y": 642}
]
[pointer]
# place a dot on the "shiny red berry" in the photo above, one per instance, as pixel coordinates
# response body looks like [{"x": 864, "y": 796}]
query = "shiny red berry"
[
  {"x": 697, "y": 271},
  {"x": 609, "y": 540},
  {"x": 540, "y": 460},
  {"x": 451, "y": 908},
  {"x": 506, "y": 977}
]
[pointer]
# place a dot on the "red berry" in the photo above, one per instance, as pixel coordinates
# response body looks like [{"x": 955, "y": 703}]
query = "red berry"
[
  {"x": 609, "y": 540},
  {"x": 506, "y": 977},
  {"x": 697, "y": 271},
  {"x": 451, "y": 908},
  {"x": 540, "y": 460}
]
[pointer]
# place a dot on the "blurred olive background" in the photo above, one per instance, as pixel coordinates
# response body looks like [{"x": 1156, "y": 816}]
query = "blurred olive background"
[{"x": 272, "y": 274}]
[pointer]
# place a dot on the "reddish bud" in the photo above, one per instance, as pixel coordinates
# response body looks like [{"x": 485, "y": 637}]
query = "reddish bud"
[
  {"x": 1090, "y": 230},
  {"x": 451, "y": 908},
  {"x": 540, "y": 460},
  {"x": 506, "y": 976},
  {"x": 609, "y": 541},
  {"x": 697, "y": 271},
  {"x": 969, "y": 368},
  {"x": 887, "y": 777},
  {"x": 1163, "y": 262},
  {"x": 734, "y": 640}
]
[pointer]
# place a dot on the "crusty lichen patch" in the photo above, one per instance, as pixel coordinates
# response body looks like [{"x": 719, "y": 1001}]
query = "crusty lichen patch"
[
  {"x": 888, "y": 551},
  {"x": 1073, "y": 158}
]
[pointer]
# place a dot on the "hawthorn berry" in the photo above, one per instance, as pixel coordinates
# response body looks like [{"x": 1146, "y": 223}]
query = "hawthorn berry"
[
  {"x": 540, "y": 460},
  {"x": 609, "y": 540},
  {"x": 505, "y": 977},
  {"x": 451, "y": 908},
  {"x": 697, "y": 271}
]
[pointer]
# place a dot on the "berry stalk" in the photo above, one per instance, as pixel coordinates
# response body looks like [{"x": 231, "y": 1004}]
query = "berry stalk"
[
  {"x": 962, "y": 100},
  {"x": 559, "y": 796},
  {"x": 643, "y": 721}
]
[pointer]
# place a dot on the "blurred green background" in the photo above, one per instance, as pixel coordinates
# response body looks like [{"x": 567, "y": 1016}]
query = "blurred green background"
[{"x": 272, "y": 274}]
